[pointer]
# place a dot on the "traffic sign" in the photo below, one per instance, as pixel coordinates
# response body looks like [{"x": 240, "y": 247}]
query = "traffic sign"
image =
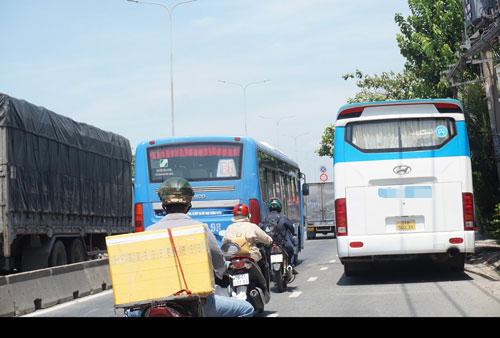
[
  {"x": 322, "y": 169},
  {"x": 323, "y": 177}
]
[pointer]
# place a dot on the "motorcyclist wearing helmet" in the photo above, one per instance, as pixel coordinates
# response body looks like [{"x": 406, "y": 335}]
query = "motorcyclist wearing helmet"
[
  {"x": 176, "y": 195},
  {"x": 284, "y": 228},
  {"x": 243, "y": 228}
]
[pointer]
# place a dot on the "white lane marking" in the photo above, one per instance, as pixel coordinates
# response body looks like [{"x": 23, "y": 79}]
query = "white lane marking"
[
  {"x": 64, "y": 305},
  {"x": 295, "y": 294},
  {"x": 312, "y": 279},
  {"x": 324, "y": 268},
  {"x": 273, "y": 315},
  {"x": 333, "y": 261}
]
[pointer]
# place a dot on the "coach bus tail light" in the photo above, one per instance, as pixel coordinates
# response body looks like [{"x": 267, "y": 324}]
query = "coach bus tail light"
[
  {"x": 341, "y": 216},
  {"x": 468, "y": 204},
  {"x": 139, "y": 218},
  {"x": 254, "y": 211}
]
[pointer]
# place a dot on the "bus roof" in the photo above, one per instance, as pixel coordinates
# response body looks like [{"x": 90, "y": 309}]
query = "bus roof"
[
  {"x": 260, "y": 145},
  {"x": 399, "y": 102}
]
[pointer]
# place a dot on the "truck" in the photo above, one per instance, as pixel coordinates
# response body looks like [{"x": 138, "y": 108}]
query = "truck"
[
  {"x": 64, "y": 187},
  {"x": 320, "y": 206}
]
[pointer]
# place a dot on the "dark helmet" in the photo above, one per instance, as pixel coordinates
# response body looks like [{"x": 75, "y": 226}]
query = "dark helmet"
[
  {"x": 274, "y": 204},
  {"x": 241, "y": 210},
  {"x": 176, "y": 190}
]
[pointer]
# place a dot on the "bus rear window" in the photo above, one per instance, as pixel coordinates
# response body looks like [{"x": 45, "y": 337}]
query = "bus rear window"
[
  {"x": 400, "y": 134},
  {"x": 195, "y": 162}
]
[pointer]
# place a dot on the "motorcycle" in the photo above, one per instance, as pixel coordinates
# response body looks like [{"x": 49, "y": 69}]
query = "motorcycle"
[
  {"x": 281, "y": 269},
  {"x": 247, "y": 280}
]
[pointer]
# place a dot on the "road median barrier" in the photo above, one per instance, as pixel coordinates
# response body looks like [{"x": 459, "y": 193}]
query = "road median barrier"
[{"x": 27, "y": 292}]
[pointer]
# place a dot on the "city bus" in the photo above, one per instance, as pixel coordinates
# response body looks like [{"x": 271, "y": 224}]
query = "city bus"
[
  {"x": 223, "y": 171},
  {"x": 403, "y": 183}
]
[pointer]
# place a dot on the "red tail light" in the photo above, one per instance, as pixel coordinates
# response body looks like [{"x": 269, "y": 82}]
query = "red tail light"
[
  {"x": 456, "y": 240},
  {"x": 275, "y": 249},
  {"x": 468, "y": 204},
  {"x": 238, "y": 264},
  {"x": 356, "y": 244},
  {"x": 161, "y": 311},
  {"x": 341, "y": 216},
  {"x": 254, "y": 211},
  {"x": 138, "y": 218}
]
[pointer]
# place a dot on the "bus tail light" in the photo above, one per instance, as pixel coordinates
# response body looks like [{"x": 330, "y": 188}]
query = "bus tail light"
[
  {"x": 138, "y": 218},
  {"x": 254, "y": 211},
  {"x": 468, "y": 205},
  {"x": 341, "y": 216}
]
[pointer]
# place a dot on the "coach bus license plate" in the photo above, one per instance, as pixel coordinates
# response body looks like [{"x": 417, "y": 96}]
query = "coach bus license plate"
[
  {"x": 277, "y": 258},
  {"x": 242, "y": 279},
  {"x": 406, "y": 225}
]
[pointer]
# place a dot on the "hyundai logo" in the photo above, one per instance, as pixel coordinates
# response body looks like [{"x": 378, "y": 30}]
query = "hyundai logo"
[{"x": 402, "y": 170}]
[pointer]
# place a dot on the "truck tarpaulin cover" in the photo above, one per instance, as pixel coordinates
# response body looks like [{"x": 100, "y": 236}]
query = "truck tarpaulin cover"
[{"x": 61, "y": 172}]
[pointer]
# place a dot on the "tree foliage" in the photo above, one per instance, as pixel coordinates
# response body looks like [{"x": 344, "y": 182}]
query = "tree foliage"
[
  {"x": 429, "y": 40},
  {"x": 386, "y": 86},
  {"x": 326, "y": 146}
]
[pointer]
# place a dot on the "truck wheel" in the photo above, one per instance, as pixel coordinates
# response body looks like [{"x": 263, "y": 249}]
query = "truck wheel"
[
  {"x": 457, "y": 263},
  {"x": 77, "y": 251},
  {"x": 58, "y": 255},
  {"x": 347, "y": 269}
]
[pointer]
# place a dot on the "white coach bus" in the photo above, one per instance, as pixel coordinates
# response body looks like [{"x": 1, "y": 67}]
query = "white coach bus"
[{"x": 403, "y": 183}]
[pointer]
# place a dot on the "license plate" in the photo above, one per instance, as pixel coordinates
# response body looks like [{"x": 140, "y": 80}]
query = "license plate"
[
  {"x": 406, "y": 225},
  {"x": 242, "y": 279},
  {"x": 277, "y": 258}
]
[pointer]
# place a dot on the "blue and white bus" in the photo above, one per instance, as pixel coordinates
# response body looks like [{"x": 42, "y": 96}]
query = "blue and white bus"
[
  {"x": 403, "y": 182},
  {"x": 223, "y": 171}
]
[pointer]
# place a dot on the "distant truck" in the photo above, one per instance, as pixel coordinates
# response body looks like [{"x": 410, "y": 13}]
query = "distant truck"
[
  {"x": 320, "y": 206},
  {"x": 64, "y": 186}
]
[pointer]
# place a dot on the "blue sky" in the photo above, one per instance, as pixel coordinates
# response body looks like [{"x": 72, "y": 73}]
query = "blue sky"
[{"x": 106, "y": 63}]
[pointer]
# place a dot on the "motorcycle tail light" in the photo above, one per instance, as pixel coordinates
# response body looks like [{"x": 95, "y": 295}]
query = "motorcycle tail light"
[
  {"x": 238, "y": 264},
  {"x": 275, "y": 249},
  {"x": 163, "y": 311}
]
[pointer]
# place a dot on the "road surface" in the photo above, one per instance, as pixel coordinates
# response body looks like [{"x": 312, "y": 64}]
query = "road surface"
[{"x": 322, "y": 290}]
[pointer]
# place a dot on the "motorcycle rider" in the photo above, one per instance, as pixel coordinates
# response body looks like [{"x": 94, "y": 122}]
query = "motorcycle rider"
[
  {"x": 284, "y": 229},
  {"x": 243, "y": 228},
  {"x": 176, "y": 194}
]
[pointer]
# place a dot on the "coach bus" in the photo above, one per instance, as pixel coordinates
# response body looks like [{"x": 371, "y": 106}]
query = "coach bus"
[
  {"x": 403, "y": 183},
  {"x": 223, "y": 171}
]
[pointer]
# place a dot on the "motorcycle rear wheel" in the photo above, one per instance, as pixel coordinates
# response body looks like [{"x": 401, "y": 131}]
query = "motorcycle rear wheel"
[{"x": 279, "y": 281}]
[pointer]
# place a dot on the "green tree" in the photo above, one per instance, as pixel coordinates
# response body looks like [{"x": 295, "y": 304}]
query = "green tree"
[
  {"x": 387, "y": 86},
  {"x": 326, "y": 146},
  {"x": 429, "y": 40}
]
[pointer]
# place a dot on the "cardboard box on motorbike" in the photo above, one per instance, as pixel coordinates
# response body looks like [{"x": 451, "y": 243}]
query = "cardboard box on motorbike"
[{"x": 144, "y": 268}]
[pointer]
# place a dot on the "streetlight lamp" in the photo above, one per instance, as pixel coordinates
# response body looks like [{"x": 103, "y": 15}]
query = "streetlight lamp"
[
  {"x": 244, "y": 88},
  {"x": 295, "y": 138},
  {"x": 170, "y": 11},
  {"x": 277, "y": 125}
]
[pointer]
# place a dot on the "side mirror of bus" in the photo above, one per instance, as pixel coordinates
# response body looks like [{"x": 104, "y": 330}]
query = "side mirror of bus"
[{"x": 305, "y": 189}]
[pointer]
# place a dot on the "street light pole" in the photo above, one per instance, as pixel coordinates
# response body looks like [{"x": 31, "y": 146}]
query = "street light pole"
[
  {"x": 170, "y": 16},
  {"x": 277, "y": 125},
  {"x": 244, "y": 88},
  {"x": 295, "y": 138}
]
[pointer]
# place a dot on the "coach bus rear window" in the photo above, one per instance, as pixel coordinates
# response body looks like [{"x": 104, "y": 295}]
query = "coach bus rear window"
[
  {"x": 195, "y": 162},
  {"x": 400, "y": 134}
]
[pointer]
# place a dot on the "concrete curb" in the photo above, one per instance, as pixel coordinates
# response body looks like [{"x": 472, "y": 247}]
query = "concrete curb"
[
  {"x": 483, "y": 272},
  {"x": 28, "y": 291}
]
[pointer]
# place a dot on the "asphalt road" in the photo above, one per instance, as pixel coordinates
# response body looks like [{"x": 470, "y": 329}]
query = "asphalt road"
[{"x": 322, "y": 290}]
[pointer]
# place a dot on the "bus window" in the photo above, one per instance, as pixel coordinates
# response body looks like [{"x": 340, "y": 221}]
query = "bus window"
[
  {"x": 400, "y": 135},
  {"x": 195, "y": 162}
]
